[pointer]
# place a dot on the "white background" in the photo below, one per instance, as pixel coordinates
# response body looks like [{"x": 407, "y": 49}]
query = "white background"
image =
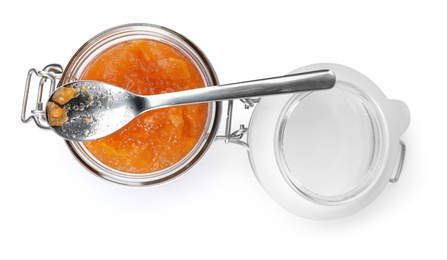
[{"x": 52, "y": 208}]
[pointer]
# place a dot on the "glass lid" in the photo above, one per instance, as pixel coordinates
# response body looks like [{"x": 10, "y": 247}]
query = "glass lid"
[{"x": 327, "y": 154}]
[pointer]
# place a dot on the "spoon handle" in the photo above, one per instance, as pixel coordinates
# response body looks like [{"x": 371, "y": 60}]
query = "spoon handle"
[{"x": 291, "y": 83}]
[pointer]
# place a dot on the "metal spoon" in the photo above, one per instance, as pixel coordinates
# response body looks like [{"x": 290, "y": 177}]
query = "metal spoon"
[{"x": 89, "y": 110}]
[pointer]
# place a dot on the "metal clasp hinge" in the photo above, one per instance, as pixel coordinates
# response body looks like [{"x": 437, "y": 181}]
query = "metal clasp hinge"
[
  {"x": 237, "y": 136},
  {"x": 48, "y": 77},
  {"x": 401, "y": 163}
]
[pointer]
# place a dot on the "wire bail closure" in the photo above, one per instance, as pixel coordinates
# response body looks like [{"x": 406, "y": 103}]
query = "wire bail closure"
[
  {"x": 49, "y": 77},
  {"x": 237, "y": 135}
]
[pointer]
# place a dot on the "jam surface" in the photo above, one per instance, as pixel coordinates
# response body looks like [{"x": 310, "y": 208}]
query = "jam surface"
[
  {"x": 159, "y": 138},
  {"x": 57, "y": 115}
]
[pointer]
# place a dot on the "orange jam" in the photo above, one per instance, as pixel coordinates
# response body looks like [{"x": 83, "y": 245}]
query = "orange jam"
[
  {"x": 57, "y": 115},
  {"x": 159, "y": 138}
]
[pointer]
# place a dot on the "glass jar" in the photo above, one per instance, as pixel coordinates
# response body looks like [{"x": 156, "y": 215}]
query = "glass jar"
[
  {"x": 319, "y": 154},
  {"x": 130, "y": 32}
]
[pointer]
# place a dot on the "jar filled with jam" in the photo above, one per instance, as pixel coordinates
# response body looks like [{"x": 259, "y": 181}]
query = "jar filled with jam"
[{"x": 158, "y": 145}]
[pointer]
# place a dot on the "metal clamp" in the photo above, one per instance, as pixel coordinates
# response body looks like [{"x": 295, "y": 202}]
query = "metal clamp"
[
  {"x": 401, "y": 163},
  {"x": 236, "y": 136},
  {"x": 49, "y": 76}
]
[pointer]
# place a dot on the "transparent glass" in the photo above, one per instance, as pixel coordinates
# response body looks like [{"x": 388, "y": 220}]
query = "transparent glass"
[
  {"x": 328, "y": 154},
  {"x": 330, "y": 144},
  {"x": 129, "y": 32}
]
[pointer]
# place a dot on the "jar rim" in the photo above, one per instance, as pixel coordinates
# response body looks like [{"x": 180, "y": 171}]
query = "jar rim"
[
  {"x": 372, "y": 154},
  {"x": 128, "y": 32}
]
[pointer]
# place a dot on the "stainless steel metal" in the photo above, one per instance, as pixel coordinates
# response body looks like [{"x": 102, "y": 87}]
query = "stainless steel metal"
[
  {"x": 401, "y": 162},
  {"x": 99, "y": 109},
  {"x": 236, "y": 136},
  {"x": 48, "y": 77}
]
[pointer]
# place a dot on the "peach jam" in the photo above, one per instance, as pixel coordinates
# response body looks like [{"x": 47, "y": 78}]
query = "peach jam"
[{"x": 159, "y": 138}]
